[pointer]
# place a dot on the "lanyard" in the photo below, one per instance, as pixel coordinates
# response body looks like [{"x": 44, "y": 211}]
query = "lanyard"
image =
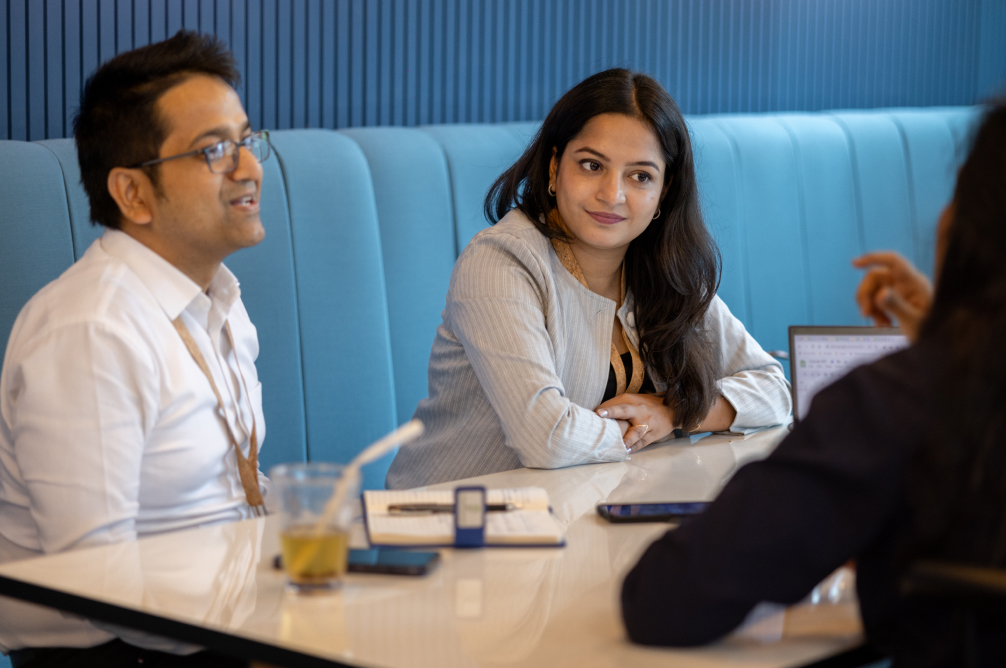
[
  {"x": 568, "y": 260},
  {"x": 247, "y": 466}
]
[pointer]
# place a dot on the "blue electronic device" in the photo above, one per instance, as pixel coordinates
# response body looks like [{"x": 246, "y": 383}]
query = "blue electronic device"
[{"x": 470, "y": 517}]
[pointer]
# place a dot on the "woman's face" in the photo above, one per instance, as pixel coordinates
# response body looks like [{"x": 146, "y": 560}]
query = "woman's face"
[{"x": 609, "y": 182}]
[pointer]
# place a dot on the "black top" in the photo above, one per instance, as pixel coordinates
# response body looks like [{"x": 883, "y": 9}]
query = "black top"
[
  {"x": 612, "y": 387},
  {"x": 834, "y": 490}
]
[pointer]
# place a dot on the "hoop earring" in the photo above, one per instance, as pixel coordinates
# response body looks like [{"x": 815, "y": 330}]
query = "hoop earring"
[
  {"x": 551, "y": 190},
  {"x": 657, "y": 214}
]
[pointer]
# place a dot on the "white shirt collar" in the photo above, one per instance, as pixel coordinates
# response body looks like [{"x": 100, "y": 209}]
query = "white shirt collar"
[{"x": 172, "y": 289}]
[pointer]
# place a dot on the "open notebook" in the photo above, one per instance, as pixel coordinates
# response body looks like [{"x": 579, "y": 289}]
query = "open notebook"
[{"x": 531, "y": 524}]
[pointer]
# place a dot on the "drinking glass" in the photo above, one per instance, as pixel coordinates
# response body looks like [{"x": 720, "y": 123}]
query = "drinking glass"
[{"x": 315, "y": 545}]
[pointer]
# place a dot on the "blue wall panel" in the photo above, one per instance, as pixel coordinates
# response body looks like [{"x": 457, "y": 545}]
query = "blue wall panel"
[{"x": 342, "y": 63}]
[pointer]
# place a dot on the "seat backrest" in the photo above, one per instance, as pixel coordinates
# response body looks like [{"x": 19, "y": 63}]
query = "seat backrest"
[
  {"x": 789, "y": 198},
  {"x": 769, "y": 215},
  {"x": 416, "y": 217},
  {"x": 340, "y": 296},
  {"x": 883, "y": 190},
  {"x": 931, "y": 154},
  {"x": 83, "y": 232},
  {"x": 719, "y": 189},
  {"x": 35, "y": 242},
  {"x": 269, "y": 292},
  {"x": 363, "y": 227},
  {"x": 314, "y": 287},
  {"x": 827, "y": 199},
  {"x": 477, "y": 154},
  {"x": 267, "y": 289}
]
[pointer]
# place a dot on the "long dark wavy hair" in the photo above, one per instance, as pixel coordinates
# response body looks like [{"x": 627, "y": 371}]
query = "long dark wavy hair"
[
  {"x": 958, "y": 484},
  {"x": 673, "y": 268}
]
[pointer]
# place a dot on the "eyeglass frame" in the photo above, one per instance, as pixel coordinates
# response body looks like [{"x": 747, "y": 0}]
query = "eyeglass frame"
[{"x": 261, "y": 134}]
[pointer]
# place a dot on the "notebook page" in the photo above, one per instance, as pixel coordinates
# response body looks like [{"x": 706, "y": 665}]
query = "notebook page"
[
  {"x": 525, "y": 498},
  {"x": 532, "y": 523},
  {"x": 434, "y": 529},
  {"x": 517, "y": 527},
  {"x": 377, "y": 500}
]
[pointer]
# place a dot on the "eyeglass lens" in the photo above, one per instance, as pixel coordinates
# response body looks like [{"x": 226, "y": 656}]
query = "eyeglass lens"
[{"x": 223, "y": 157}]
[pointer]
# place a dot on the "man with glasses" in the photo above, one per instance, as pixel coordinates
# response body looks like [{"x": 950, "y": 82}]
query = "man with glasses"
[{"x": 129, "y": 400}]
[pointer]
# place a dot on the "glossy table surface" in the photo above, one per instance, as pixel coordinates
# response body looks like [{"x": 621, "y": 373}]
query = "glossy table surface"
[{"x": 491, "y": 607}]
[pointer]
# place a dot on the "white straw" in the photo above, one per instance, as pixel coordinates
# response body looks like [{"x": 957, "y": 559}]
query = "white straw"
[{"x": 351, "y": 474}]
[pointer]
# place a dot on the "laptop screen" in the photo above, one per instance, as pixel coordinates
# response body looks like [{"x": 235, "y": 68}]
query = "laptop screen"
[{"x": 821, "y": 355}]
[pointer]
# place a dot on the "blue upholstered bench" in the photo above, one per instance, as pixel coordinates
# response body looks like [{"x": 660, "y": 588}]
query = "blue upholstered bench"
[{"x": 364, "y": 225}]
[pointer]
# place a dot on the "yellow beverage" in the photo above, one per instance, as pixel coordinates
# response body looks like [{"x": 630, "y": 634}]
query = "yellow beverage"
[{"x": 314, "y": 559}]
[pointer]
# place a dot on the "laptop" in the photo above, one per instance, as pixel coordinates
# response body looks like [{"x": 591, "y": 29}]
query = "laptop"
[{"x": 818, "y": 356}]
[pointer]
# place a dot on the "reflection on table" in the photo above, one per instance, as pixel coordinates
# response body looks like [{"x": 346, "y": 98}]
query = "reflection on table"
[{"x": 490, "y": 607}]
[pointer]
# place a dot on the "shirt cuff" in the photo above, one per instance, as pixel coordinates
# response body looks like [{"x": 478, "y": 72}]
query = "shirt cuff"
[
  {"x": 748, "y": 419},
  {"x": 617, "y": 452}
]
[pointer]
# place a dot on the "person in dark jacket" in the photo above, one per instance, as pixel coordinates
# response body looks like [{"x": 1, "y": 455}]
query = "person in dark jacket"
[{"x": 901, "y": 460}]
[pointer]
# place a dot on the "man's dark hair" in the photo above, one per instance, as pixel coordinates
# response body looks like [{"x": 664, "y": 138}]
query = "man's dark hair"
[{"x": 117, "y": 124}]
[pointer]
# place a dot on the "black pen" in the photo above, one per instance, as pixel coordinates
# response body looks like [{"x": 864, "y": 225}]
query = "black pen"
[{"x": 406, "y": 508}]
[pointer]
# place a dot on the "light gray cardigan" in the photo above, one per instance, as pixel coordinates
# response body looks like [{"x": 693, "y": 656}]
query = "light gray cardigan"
[{"x": 521, "y": 361}]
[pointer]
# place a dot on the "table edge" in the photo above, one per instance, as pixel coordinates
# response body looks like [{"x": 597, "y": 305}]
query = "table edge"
[{"x": 220, "y": 641}]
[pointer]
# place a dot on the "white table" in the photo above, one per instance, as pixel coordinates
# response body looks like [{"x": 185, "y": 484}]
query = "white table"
[{"x": 493, "y": 607}]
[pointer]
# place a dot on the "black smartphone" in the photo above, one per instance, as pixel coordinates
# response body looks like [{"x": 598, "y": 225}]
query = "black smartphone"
[
  {"x": 649, "y": 512},
  {"x": 386, "y": 561},
  {"x": 392, "y": 562}
]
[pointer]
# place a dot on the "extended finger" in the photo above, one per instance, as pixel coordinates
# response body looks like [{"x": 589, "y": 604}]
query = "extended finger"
[
  {"x": 631, "y": 438},
  {"x": 889, "y": 259},
  {"x": 641, "y": 433},
  {"x": 647, "y": 438},
  {"x": 619, "y": 412}
]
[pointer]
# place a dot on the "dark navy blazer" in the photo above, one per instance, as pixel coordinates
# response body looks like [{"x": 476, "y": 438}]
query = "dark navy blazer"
[{"x": 835, "y": 489}]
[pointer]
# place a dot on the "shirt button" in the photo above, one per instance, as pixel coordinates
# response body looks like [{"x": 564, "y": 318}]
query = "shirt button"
[{"x": 631, "y": 319}]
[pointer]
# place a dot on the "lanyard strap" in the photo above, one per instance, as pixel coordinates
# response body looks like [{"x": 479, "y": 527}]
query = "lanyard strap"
[
  {"x": 247, "y": 466},
  {"x": 565, "y": 254}
]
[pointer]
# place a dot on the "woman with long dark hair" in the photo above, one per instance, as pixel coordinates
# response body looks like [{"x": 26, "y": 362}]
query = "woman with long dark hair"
[
  {"x": 584, "y": 325},
  {"x": 899, "y": 461}
]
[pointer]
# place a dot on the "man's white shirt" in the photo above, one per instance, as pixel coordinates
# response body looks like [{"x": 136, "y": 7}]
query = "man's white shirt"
[{"x": 109, "y": 431}]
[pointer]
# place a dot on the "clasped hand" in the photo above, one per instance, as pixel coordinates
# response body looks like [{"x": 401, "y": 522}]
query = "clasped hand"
[{"x": 643, "y": 418}]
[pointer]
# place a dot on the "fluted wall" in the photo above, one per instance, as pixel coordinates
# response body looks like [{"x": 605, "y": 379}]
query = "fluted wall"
[{"x": 339, "y": 63}]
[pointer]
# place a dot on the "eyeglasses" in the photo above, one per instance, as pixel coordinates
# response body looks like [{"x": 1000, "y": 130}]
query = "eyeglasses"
[{"x": 222, "y": 157}]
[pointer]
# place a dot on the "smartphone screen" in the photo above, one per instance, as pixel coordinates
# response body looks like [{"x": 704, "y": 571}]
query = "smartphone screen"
[
  {"x": 649, "y": 512},
  {"x": 392, "y": 562}
]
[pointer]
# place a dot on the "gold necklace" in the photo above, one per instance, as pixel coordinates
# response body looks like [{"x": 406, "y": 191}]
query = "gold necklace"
[{"x": 565, "y": 254}]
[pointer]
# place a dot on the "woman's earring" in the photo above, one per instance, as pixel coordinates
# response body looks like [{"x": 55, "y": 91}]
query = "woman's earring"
[
  {"x": 551, "y": 190},
  {"x": 657, "y": 214}
]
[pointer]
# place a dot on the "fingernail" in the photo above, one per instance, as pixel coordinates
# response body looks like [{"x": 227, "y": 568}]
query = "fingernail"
[{"x": 602, "y": 413}]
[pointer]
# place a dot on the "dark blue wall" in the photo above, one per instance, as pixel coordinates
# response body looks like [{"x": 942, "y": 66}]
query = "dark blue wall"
[{"x": 338, "y": 63}]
